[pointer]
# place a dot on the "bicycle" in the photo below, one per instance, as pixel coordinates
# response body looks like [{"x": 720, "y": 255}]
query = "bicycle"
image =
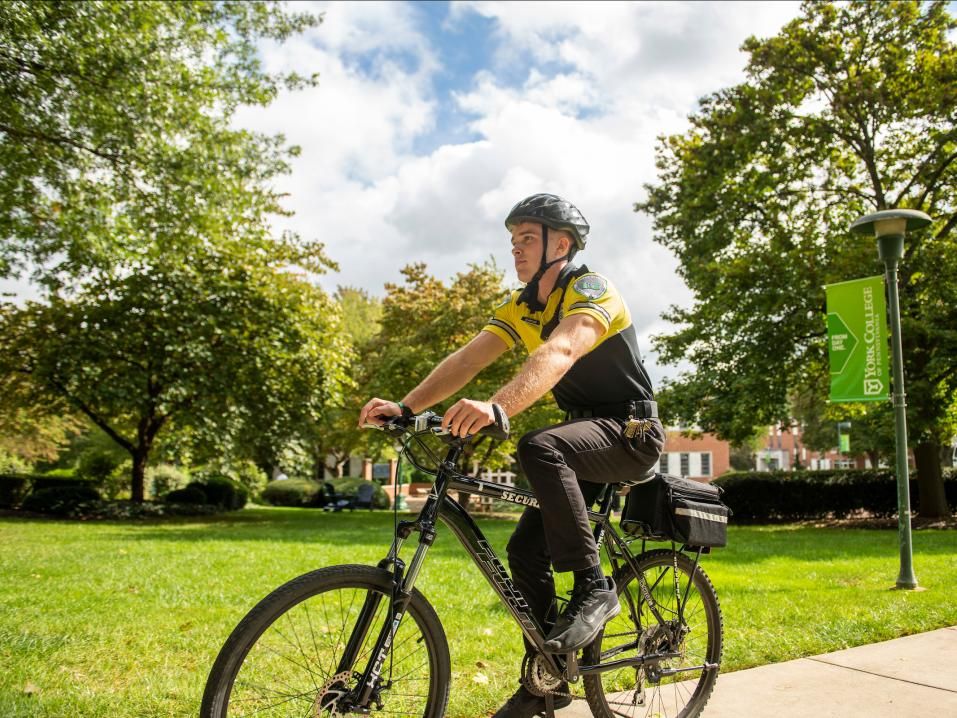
[{"x": 355, "y": 639}]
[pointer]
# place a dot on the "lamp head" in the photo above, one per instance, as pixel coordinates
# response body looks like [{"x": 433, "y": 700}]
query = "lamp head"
[
  {"x": 890, "y": 221},
  {"x": 889, "y": 226}
]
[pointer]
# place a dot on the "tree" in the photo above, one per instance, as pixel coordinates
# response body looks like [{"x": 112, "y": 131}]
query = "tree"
[
  {"x": 225, "y": 351},
  {"x": 116, "y": 115},
  {"x": 145, "y": 215},
  {"x": 29, "y": 435},
  {"x": 337, "y": 435},
  {"x": 850, "y": 109}
]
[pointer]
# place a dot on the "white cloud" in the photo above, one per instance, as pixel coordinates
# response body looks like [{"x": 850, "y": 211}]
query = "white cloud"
[
  {"x": 598, "y": 82},
  {"x": 603, "y": 81}
]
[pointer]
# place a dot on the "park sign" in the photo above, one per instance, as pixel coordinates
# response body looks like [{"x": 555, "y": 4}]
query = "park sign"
[{"x": 857, "y": 340}]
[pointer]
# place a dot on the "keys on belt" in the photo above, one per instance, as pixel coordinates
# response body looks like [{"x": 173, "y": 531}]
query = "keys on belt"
[{"x": 637, "y": 427}]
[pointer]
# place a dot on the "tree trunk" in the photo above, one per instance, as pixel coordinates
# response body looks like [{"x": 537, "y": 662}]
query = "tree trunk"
[
  {"x": 932, "y": 502},
  {"x": 139, "y": 476},
  {"x": 874, "y": 458}
]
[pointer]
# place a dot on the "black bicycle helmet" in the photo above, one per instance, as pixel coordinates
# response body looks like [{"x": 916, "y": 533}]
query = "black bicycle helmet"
[{"x": 553, "y": 211}]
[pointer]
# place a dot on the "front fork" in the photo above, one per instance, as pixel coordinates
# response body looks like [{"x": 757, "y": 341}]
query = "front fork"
[{"x": 403, "y": 582}]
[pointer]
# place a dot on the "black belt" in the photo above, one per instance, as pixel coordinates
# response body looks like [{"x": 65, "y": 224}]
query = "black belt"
[{"x": 625, "y": 410}]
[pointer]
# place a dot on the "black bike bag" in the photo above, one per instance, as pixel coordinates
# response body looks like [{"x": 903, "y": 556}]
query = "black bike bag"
[{"x": 670, "y": 508}]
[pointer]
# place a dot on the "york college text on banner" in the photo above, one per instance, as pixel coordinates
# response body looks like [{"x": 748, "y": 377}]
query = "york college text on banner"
[{"x": 857, "y": 340}]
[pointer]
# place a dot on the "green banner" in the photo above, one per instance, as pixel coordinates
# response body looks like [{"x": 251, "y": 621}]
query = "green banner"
[
  {"x": 857, "y": 340},
  {"x": 845, "y": 443}
]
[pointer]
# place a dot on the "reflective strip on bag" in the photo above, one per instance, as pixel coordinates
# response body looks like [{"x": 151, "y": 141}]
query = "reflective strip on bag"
[{"x": 702, "y": 515}]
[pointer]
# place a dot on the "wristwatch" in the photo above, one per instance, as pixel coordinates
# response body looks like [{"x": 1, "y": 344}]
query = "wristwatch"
[{"x": 501, "y": 418}]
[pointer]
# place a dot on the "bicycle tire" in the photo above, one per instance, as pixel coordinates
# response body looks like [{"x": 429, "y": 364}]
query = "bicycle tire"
[
  {"x": 632, "y": 691},
  {"x": 303, "y": 606}
]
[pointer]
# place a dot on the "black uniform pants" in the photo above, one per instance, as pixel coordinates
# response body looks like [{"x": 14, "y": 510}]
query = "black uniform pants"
[{"x": 567, "y": 465}]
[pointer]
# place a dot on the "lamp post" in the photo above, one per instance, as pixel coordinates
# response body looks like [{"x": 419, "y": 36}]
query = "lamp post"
[{"x": 889, "y": 226}]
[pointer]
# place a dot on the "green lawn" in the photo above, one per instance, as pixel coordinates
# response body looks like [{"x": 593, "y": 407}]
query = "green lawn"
[{"x": 124, "y": 620}]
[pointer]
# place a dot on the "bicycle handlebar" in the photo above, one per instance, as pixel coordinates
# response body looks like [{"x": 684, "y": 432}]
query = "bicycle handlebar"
[{"x": 431, "y": 422}]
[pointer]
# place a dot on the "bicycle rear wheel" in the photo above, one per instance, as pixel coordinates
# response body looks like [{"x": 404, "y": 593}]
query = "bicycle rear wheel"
[
  {"x": 285, "y": 657},
  {"x": 672, "y": 688}
]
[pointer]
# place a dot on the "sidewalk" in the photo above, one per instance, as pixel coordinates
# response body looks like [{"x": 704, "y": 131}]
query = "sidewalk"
[{"x": 915, "y": 675}]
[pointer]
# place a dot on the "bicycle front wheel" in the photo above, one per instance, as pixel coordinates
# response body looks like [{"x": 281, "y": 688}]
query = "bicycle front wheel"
[
  {"x": 690, "y": 630},
  {"x": 285, "y": 658}
]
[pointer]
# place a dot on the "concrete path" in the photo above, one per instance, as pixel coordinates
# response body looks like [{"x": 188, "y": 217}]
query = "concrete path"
[{"x": 911, "y": 676}]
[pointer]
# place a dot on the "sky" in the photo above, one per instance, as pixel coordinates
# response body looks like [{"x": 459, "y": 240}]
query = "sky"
[{"x": 432, "y": 119}]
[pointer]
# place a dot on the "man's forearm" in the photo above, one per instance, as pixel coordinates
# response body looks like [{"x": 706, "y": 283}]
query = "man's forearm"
[
  {"x": 540, "y": 372},
  {"x": 447, "y": 378}
]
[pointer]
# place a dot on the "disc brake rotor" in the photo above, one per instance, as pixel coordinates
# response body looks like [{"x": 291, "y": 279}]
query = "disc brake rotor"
[{"x": 329, "y": 695}]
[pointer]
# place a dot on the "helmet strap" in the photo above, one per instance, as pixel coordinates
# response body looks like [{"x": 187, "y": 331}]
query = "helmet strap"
[{"x": 529, "y": 295}]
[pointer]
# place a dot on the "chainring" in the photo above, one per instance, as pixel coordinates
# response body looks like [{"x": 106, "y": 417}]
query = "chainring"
[{"x": 536, "y": 677}]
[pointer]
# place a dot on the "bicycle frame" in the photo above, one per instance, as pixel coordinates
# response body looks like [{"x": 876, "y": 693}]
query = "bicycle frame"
[{"x": 444, "y": 508}]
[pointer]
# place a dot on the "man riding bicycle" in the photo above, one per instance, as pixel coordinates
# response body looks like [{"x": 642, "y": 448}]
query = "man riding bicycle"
[{"x": 582, "y": 345}]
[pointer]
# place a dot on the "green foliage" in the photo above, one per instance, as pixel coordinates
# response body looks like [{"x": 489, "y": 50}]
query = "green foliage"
[
  {"x": 361, "y": 314},
  {"x": 776, "y": 496},
  {"x": 291, "y": 492},
  {"x": 12, "y": 464},
  {"x": 848, "y": 110},
  {"x": 117, "y": 117},
  {"x": 165, "y": 478},
  {"x": 222, "y": 491},
  {"x": 249, "y": 475},
  {"x": 147, "y": 216},
  {"x": 244, "y": 472},
  {"x": 349, "y": 486},
  {"x": 30, "y": 435},
  {"x": 191, "y": 495},
  {"x": 13, "y": 488},
  {"x": 102, "y": 468},
  {"x": 59, "y": 500},
  {"x": 234, "y": 354}
]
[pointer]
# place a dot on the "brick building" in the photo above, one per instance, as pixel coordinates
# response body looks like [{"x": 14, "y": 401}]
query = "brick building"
[
  {"x": 783, "y": 450},
  {"x": 703, "y": 457}
]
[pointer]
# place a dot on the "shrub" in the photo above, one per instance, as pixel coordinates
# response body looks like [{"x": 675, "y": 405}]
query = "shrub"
[
  {"x": 348, "y": 486},
  {"x": 245, "y": 473},
  {"x": 224, "y": 492},
  {"x": 762, "y": 496},
  {"x": 58, "y": 481},
  {"x": 290, "y": 492},
  {"x": 97, "y": 464},
  {"x": 164, "y": 478},
  {"x": 192, "y": 495},
  {"x": 250, "y": 476},
  {"x": 12, "y": 464},
  {"x": 59, "y": 500},
  {"x": 13, "y": 487}
]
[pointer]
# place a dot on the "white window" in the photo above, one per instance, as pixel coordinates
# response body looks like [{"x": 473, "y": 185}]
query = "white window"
[
  {"x": 706, "y": 463},
  {"x": 685, "y": 464},
  {"x": 663, "y": 464}
]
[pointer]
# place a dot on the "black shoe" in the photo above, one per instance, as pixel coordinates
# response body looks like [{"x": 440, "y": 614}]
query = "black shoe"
[
  {"x": 525, "y": 704},
  {"x": 590, "y": 608}
]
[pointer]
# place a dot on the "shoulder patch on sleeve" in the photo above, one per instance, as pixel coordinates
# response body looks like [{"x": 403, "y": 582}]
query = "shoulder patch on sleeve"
[{"x": 591, "y": 286}]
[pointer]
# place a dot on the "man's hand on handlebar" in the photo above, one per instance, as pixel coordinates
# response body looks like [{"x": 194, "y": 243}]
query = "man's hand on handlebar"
[
  {"x": 467, "y": 416},
  {"x": 378, "y": 412}
]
